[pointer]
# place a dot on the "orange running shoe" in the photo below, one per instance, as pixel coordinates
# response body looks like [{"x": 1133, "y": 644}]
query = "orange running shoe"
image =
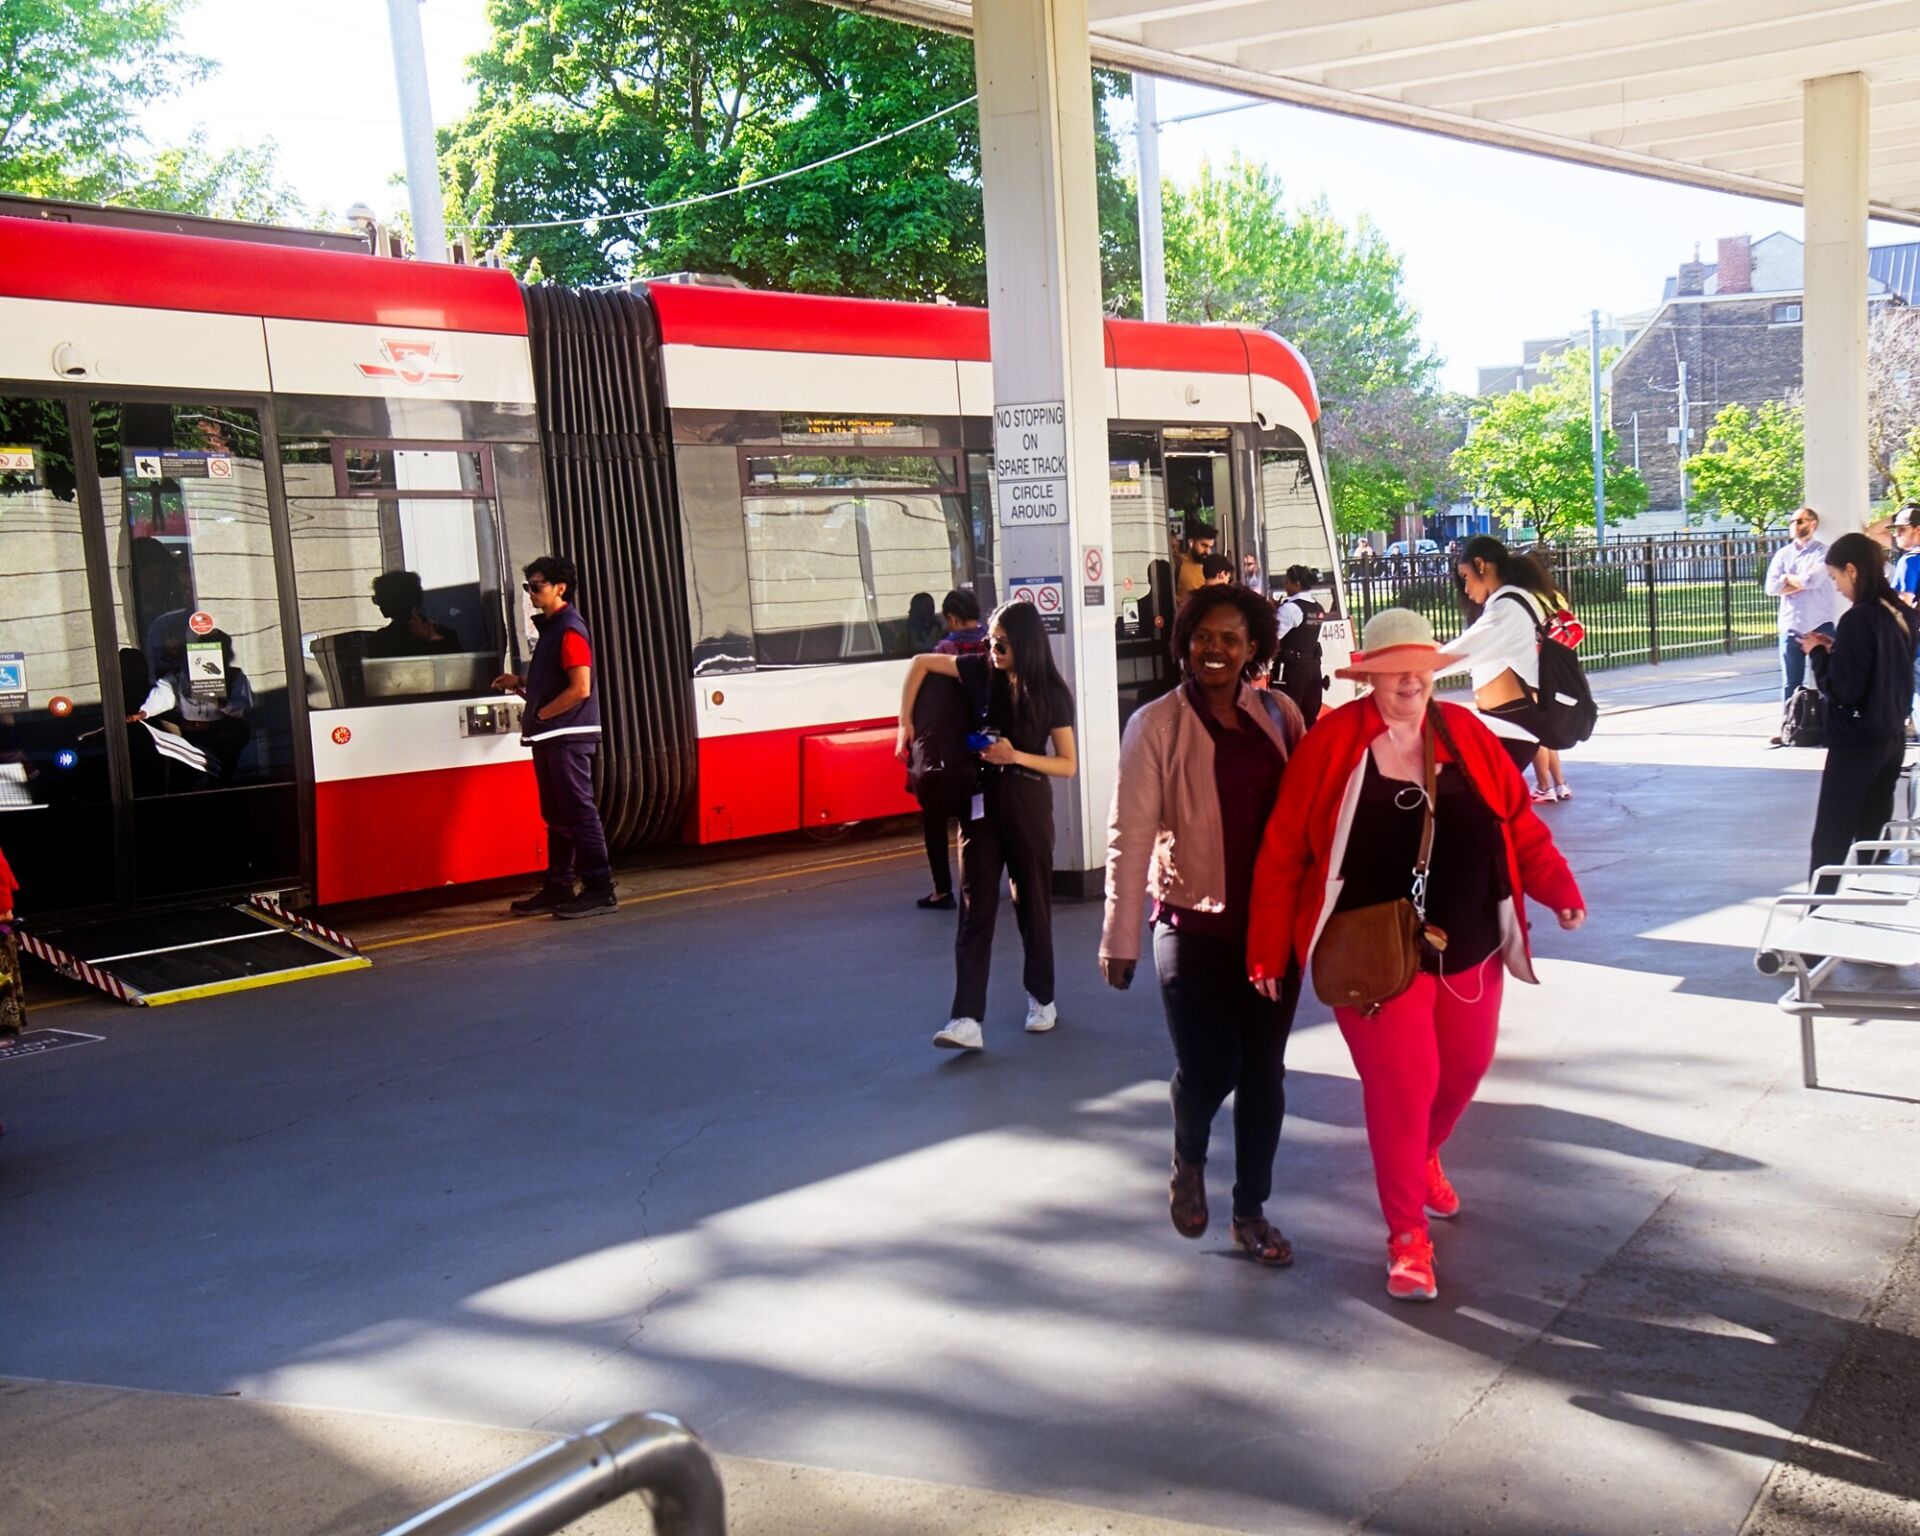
[
  {"x": 1410, "y": 1267},
  {"x": 1442, "y": 1199}
]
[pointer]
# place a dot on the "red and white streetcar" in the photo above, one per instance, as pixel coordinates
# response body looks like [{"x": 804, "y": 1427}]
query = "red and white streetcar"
[{"x": 275, "y": 494}]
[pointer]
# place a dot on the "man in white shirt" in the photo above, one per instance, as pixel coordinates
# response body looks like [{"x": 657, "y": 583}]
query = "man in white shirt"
[{"x": 1798, "y": 576}]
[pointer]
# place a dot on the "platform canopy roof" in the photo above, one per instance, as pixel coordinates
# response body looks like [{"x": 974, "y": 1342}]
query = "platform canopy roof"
[{"x": 1705, "y": 92}]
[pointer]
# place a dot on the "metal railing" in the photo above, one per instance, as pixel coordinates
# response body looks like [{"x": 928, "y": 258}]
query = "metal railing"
[
  {"x": 652, "y": 1454},
  {"x": 1641, "y": 600}
]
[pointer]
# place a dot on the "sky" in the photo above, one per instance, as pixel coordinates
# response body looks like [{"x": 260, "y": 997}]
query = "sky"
[{"x": 1497, "y": 246}]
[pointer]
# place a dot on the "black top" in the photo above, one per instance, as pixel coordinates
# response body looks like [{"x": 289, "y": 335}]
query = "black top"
[
  {"x": 1466, "y": 881},
  {"x": 1868, "y": 674},
  {"x": 984, "y": 680},
  {"x": 1246, "y": 777}
]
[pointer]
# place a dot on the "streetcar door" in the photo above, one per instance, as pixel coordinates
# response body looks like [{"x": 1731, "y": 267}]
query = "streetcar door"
[
  {"x": 56, "y": 780},
  {"x": 188, "y": 595}
]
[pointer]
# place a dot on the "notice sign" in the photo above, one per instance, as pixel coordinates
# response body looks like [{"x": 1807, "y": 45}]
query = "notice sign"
[
  {"x": 1048, "y": 594},
  {"x": 180, "y": 464},
  {"x": 13, "y": 680},
  {"x": 206, "y": 670},
  {"x": 16, "y": 461},
  {"x": 1030, "y": 463}
]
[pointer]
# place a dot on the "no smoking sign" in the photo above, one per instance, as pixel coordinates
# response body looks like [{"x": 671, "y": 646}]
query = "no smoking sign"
[{"x": 1048, "y": 594}]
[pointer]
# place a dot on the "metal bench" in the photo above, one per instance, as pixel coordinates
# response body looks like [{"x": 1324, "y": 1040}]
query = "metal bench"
[{"x": 1871, "y": 922}]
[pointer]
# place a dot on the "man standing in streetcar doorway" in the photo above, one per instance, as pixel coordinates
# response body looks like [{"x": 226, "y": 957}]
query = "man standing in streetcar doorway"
[{"x": 562, "y": 726}]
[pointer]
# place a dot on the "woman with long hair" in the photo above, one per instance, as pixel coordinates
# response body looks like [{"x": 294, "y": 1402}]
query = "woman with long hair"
[
  {"x": 1026, "y": 739},
  {"x": 1501, "y": 645},
  {"x": 1199, "y": 772},
  {"x": 1396, "y": 798},
  {"x": 1549, "y": 776},
  {"x": 1865, "y": 668}
]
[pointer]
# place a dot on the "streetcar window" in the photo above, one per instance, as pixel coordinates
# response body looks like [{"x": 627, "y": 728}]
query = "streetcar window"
[
  {"x": 400, "y": 595},
  {"x": 762, "y": 473},
  {"x": 1291, "y": 525},
  {"x": 833, "y": 578}
]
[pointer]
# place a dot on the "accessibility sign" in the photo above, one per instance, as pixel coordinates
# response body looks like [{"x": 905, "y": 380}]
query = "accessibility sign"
[
  {"x": 1046, "y": 593},
  {"x": 1030, "y": 463},
  {"x": 13, "y": 679}
]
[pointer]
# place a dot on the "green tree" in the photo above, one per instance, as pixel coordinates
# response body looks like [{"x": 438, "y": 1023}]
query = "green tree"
[
  {"x": 588, "y": 108},
  {"x": 1752, "y": 466},
  {"x": 1236, "y": 252},
  {"x": 78, "y": 73},
  {"x": 1529, "y": 454},
  {"x": 1905, "y": 470}
]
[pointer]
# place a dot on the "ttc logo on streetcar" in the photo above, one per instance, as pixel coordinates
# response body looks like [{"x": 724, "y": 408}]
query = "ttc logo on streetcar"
[{"x": 411, "y": 362}]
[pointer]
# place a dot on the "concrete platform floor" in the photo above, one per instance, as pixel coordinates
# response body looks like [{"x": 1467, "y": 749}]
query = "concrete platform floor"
[{"x": 700, "y": 1156}]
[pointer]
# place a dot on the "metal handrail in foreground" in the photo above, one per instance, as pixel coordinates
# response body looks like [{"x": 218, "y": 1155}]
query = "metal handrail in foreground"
[{"x": 648, "y": 1453}]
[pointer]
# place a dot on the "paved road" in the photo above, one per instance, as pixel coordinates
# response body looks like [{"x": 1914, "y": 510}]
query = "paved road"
[{"x": 701, "y": 1156}]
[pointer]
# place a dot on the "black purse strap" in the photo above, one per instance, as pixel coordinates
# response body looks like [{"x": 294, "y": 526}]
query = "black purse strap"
[{"x": 1430, "y": 775}]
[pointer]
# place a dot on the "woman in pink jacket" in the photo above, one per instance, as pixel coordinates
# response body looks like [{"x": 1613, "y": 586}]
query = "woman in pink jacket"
[
  {"x": 1199, "y": 772},
  {"x": 1345, "y": 834}
]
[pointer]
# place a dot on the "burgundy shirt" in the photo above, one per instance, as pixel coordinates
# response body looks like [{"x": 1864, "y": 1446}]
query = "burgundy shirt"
[{"x": 1246, "y": 776}]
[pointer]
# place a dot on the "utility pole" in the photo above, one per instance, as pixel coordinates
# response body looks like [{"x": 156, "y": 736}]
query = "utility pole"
[
  {"x": 1599, "y": 435},
  {"x": 1146, "y": 148},
  {"x": 416, "y": 128}
]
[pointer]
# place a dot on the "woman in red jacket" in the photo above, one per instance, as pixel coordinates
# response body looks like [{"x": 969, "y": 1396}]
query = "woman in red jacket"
[{"x": 1345, "y": 834}]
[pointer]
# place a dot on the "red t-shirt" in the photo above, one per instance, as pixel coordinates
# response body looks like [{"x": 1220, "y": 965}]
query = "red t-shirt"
[
  {"x": 7, "y": 887},
  {"x": 574, "y": 650}
]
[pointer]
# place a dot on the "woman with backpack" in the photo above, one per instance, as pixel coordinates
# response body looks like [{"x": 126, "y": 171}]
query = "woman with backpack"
[
  {"x": 1865, "y": 668},
  {"x": 1549, "y": 777},
  {"x": 1501, "y": 645},
  {"x": 1200, "y": 769},
  {"x": 1395, "y": 870},
  {"x": 1026, "y": 740}
]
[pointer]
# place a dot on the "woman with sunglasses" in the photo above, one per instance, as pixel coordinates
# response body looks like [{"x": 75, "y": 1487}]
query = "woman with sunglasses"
[{"x": 1026, "y": 739}]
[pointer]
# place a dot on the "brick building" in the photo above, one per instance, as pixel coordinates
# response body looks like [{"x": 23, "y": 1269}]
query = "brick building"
[{"x": 1726, "y": 332}]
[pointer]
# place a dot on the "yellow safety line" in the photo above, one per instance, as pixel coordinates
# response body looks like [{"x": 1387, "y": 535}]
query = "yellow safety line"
[
  {"x": 60, "y": 1002},
  {"x": 247, "y": 983},
  {"x": 635, "y": 901}
]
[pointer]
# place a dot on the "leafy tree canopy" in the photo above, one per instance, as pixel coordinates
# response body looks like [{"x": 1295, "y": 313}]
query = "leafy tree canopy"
[
  {"x": 588, "y": 108},
  {"x": 1752, "y": 466},
  {"x": 1236, "y": 252},
  {"x": 1529, "y": 454},
  {"x": 77, "y": 74}
]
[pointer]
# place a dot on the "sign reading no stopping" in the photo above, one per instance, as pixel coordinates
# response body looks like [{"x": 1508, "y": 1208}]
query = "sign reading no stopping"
[{"x": 1030, "y": 463}]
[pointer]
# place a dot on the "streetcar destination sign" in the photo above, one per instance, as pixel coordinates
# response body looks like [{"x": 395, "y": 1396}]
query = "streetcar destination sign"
[{"x": 1030, "y": 463}]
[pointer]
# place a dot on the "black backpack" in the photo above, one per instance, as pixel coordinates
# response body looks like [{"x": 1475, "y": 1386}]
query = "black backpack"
[
  {"x": 1805, "y": 723},
  {"x": 1564, "y": 711},
  {"x": 941, "y": 767}
]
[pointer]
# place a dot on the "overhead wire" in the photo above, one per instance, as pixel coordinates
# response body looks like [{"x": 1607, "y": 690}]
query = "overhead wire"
[{"x": 736, "y": 191}]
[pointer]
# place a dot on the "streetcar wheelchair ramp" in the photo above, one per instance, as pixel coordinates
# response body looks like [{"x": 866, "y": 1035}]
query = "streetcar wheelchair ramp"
[{"x": 172, "y": 957}]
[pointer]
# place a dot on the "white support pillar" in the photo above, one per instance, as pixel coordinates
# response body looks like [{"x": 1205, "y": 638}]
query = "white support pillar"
[
  {"x": 1049, "y": 375},
  {"x": 1833, "y": 334}
]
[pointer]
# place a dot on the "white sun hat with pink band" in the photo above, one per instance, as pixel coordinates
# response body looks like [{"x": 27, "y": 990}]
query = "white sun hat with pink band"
[{"x": 1398, "y": 640}]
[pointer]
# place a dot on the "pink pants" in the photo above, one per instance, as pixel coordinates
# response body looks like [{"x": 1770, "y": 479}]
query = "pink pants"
[{"x": 1420, "y": 1059}]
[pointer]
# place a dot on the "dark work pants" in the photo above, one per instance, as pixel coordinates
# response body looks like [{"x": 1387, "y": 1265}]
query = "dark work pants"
[
  {"x": 1856, "y": 799},
  {"x": 1227, "y": 1038},
  {"x": 937, "y": 812},
  {"x": 563, "y": 773},
  {"x": 1016, "y": 835}
]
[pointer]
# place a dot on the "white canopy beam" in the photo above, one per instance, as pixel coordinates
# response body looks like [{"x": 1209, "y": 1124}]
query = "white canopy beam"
[{"x": 1833, "y": 338}]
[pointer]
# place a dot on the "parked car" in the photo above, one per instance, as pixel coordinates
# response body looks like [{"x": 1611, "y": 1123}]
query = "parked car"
[{"x": 1399, "y": 549}]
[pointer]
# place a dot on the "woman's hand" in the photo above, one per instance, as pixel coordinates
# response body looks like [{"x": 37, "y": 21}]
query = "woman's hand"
[
  {"x": 1571, "y": 917},
  {"x": 1118, "y": 973},
  {"x": 1811, "y": 643},
  {"x": 999, "y": 752},
  {"x": 1267, "y": 986},
  {"x": 903, "y": 743}
]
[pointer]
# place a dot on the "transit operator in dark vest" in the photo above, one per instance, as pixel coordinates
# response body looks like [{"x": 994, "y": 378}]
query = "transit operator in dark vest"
[
  {"x": 1297, "y": 669},
  {"x": 562, "y": 726}
]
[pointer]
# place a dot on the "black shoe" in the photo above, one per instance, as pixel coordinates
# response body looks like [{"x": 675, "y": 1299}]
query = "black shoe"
[
  {"x": 588, "y": 904},
  {"x": 541, "y": 902},
  {"x": 939, "y": 901}
]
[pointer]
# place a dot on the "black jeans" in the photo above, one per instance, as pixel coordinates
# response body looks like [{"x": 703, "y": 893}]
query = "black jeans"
[
  {"x": 1227, "y": 1038},
  {"x": 937, "y": 811},
  {"x": 1016, "y": 835},
  {"x": 563, "y": 774},
  {"x": 1856, "y": 798}
]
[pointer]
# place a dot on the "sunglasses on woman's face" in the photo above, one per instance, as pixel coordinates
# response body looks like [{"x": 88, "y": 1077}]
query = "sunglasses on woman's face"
[{"x": 1001, "y": 648}]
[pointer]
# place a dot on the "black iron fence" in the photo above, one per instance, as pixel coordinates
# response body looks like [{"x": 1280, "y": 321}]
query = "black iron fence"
[{"x": 1641, "y": 600}]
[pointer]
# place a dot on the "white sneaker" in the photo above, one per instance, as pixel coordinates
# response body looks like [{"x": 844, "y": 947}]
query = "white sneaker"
[
  {"x": 1041, "y": 1017},
  {"x": 960, "y": 1035}
]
